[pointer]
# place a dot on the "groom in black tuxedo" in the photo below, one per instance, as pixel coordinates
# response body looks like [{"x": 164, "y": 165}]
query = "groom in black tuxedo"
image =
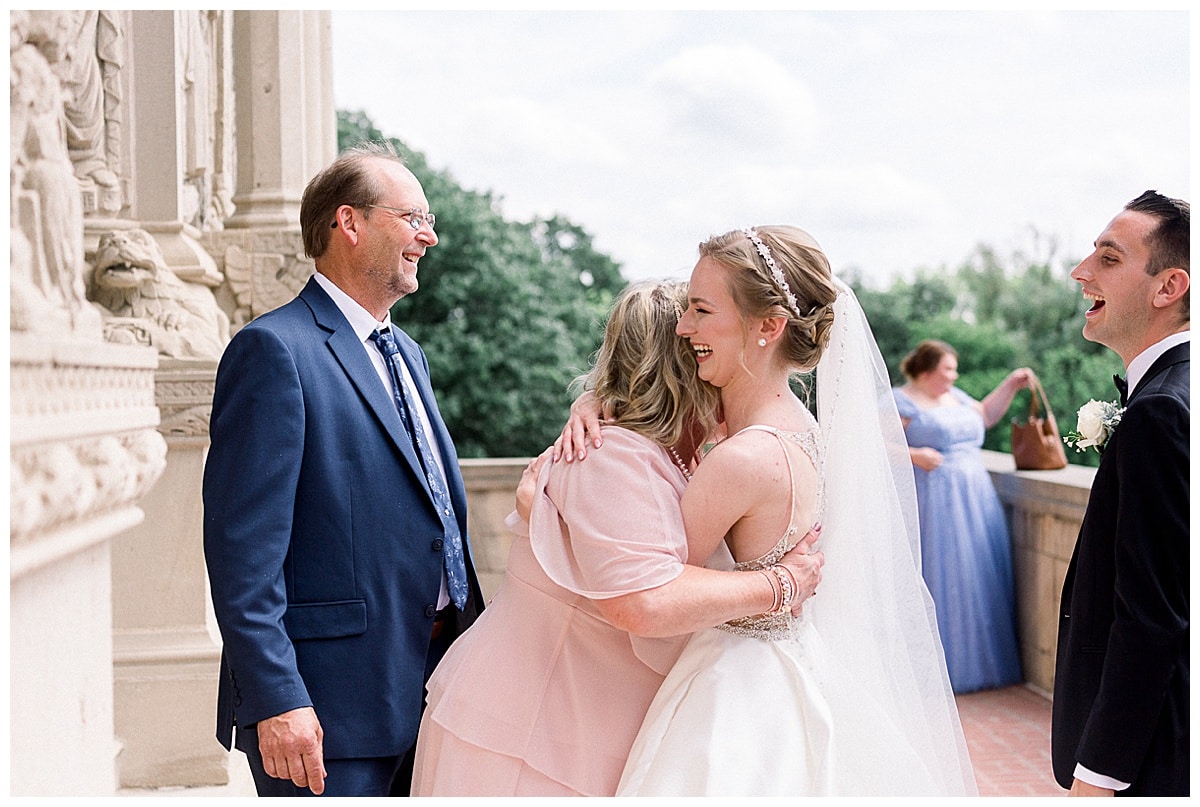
[{"x": 1121, "y": 678}]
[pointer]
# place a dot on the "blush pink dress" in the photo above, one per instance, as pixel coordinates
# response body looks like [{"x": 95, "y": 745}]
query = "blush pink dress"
[{"x": 542, "y": 696}]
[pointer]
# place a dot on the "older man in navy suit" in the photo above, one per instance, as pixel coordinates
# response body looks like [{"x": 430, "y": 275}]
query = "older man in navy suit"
[
  {"x": 1121, "y": 688},
  {"x": 335, "y": 514}
]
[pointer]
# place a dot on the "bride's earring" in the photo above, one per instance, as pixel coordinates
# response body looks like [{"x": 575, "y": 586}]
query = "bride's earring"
[{"x": 762, "y": 342}]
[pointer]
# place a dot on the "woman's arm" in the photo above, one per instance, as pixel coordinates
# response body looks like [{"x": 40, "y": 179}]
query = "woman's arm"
[
  {"x": 702, "y": 598},
  {"x": 697, "y": 598},
  {"x": 998, "y": 400},
  {"x": 925, "y": 458},
  {"x": 731, "y": 482}
]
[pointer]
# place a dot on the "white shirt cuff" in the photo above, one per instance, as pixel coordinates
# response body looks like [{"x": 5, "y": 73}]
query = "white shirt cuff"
[{"x": 1098, "y": 779}]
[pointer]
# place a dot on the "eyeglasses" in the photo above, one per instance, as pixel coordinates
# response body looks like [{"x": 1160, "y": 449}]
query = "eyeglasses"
[{"x": 414, "y": 217}]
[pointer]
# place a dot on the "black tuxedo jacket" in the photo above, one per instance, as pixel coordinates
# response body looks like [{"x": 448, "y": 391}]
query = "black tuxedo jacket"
[{"x": 1121, "y": 676}]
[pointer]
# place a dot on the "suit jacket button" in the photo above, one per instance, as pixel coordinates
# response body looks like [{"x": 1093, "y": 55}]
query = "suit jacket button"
[
  {"x": 437, "y": 545},
  {"x": 430, "y": 610}
]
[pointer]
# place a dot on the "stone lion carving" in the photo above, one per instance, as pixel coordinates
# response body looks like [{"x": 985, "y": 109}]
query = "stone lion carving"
[{"x": 144, "y": 302}]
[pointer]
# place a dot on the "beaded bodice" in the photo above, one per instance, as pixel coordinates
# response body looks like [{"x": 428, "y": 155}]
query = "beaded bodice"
[{"x": 779, "y": 626}]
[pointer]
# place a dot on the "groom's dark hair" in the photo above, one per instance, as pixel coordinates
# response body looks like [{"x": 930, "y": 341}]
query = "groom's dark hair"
[{"x": 1170, "y": 241}]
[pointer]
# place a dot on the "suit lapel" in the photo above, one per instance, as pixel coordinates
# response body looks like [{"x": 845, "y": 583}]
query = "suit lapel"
[
  {"x": 350, "y": 354},
  {"x": 1177, "y": 354}
]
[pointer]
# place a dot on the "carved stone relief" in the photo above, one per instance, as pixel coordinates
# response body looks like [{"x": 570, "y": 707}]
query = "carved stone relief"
[
  {"x": 90, "y": 72},
  {"x": 263, "y": 270},
  {"x": 66, "y": 482},
  {"x": 144, "y": 302},
  {"x": 183, "y": 391},
  {"x": 46, "y": 224},
  {"x": 80, "y": 445}
]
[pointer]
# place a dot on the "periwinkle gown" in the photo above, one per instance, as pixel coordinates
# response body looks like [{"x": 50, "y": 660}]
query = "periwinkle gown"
[
  {"x": 966, "y": 556},
  {"x": 542, "y": 696}
]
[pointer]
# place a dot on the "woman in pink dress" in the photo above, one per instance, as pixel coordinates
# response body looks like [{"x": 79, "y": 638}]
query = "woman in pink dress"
[{"x": 545, "y": 694}]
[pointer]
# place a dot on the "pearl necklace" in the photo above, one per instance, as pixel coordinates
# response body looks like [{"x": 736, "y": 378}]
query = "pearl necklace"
[{"x": 679, "y": 463}]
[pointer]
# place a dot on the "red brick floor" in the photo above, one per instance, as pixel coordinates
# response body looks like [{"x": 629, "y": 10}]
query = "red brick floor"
[{"x": 1008, "y": 737}]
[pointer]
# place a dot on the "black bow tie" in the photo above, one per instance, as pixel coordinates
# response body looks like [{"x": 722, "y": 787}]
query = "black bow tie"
[{"x": 1122, "y": 388}]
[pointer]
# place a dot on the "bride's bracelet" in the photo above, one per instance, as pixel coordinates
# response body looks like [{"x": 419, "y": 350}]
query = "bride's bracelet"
[
  {"x": 776, "y": 591},
  {"x": 787, "y": 589},
  {"x": 792, "y": 576}
]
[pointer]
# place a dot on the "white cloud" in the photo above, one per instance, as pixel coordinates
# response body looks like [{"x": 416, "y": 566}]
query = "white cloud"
[
  {"x": 500, "y": 126},
  {"x": 736, "y": 94}
]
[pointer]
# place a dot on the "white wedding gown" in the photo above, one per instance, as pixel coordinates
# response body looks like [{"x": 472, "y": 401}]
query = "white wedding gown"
[
  {"x": 768, "y": 707},
  {"x": 853, "y": 697}
]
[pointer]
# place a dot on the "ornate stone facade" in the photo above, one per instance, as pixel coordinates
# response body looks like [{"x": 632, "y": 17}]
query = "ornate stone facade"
[{"x": 153, "y": 201}]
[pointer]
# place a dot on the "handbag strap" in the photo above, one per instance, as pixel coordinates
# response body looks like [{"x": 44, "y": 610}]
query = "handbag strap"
[{"x": 1036, "y": 391}]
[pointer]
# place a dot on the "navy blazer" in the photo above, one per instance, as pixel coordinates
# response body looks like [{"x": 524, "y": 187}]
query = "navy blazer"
[
  {"x": 1121, "y": 696},
  {"x": 321, "y": 538}
]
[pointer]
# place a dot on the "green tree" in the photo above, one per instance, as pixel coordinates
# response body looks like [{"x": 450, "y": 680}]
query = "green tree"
[{"x": 507, "y": 312}]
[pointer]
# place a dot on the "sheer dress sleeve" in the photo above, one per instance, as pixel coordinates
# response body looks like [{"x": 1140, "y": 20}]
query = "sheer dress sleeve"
[{"x": 610, "y": 525}]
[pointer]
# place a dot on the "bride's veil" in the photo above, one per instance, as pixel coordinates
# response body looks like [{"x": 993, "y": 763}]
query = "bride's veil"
[{"x": 872, "y": 607}]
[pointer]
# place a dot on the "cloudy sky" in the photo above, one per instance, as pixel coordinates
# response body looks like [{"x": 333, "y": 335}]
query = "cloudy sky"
[{"x": 900, "y": 140}]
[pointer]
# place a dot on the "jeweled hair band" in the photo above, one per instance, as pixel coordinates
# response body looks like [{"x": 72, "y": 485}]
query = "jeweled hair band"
[{"x": 776, "y": 273}]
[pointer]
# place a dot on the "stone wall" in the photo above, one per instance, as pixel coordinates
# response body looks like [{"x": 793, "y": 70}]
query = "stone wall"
[
  {"x": 1045, "y": 510},
  {"x": 491, "y": 496}
]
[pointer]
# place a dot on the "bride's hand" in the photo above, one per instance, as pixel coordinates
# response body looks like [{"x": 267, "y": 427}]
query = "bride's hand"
[
  {"x": 583, "y": 424},
  {"x": 804, "y": 561},
  {"x": 528, "y": 486}
]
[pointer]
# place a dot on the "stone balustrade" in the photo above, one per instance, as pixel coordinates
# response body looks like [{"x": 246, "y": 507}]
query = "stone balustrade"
[{"x": 1045, "y": 510}]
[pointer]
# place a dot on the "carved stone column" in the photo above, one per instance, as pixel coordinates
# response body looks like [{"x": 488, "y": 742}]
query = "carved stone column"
[
  {"x": 286, "y": 124},
  {"x": 286, "y": 132},
  {"x": 166, "y": 647},
  {"x": 172, "y": 182}
]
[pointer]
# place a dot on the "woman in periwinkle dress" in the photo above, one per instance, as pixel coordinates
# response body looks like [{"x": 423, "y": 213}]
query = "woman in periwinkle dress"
[{"x": 965, "y": 553}]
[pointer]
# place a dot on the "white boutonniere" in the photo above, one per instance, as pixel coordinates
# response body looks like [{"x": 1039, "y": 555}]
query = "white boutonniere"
[{"x": 1097, "y": 420}]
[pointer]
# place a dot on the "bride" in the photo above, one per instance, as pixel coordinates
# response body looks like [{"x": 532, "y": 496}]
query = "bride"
[{"x": 852, "y": 696}]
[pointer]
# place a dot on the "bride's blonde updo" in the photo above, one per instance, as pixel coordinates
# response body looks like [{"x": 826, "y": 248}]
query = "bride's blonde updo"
[
  {"x": 757, "y": 293},
  {"x": 644, "y": 375}
]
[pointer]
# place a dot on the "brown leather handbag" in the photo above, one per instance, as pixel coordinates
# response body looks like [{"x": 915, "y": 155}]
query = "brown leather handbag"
[{"x": 1036, "y": 444}]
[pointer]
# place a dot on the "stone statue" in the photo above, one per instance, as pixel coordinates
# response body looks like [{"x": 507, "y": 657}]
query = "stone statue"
[
  {"x": 90, "y": 74},
  {"x": 46, "y": 223},
  {"x": 144, "y": 302}
]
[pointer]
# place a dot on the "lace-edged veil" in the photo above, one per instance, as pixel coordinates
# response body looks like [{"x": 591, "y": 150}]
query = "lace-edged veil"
[{"x": 872, "y": 607}]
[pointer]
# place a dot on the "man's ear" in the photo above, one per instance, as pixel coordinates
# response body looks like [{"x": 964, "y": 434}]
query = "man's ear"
[
  {"x": 1173, "y": 284},
  {"x": 347, "y": 220}
]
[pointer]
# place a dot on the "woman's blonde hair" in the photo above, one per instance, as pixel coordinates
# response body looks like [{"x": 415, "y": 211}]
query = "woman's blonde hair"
[
  {"x": 644, "y": 375},
  {"x": 758, "y": 294}
]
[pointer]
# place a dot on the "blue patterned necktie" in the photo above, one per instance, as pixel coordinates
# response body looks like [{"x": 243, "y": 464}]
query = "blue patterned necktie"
[
  {"x": 452, "y": 549},
  {"x": 1122, "y": 388}
]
